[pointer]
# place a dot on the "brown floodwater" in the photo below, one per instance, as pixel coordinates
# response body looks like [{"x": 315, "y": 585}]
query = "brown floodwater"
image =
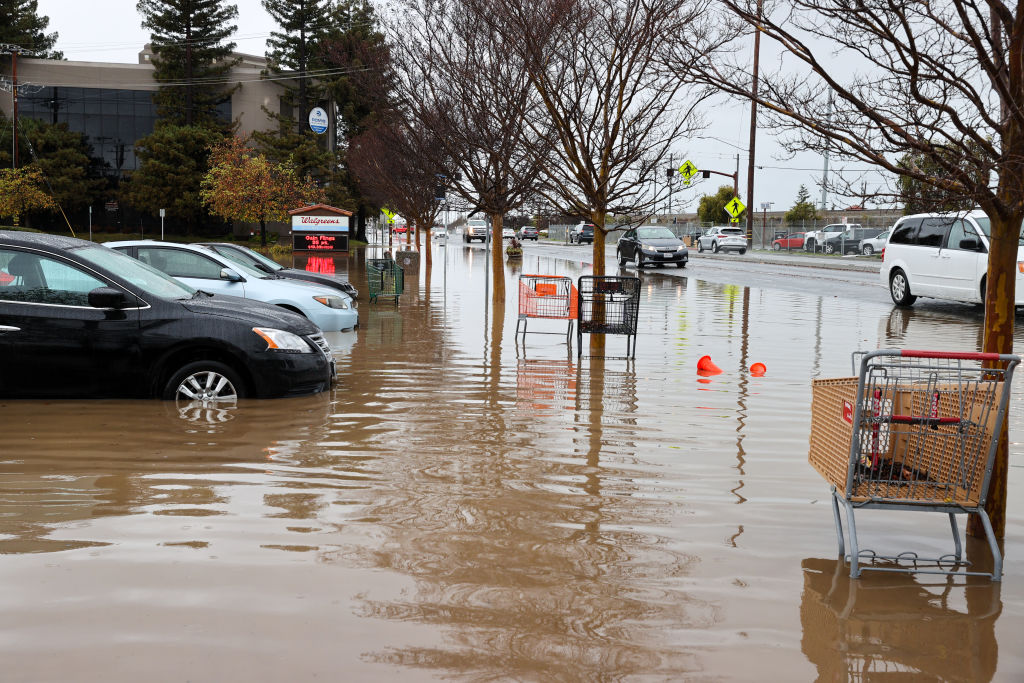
[{"x": 465, "y": 506}]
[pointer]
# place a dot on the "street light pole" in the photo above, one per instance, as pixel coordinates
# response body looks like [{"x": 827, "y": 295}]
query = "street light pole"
[{"x": 753, "y": 130}]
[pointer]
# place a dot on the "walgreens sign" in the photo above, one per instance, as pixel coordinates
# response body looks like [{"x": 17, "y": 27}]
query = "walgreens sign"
[{"x": 320, "y": 223}]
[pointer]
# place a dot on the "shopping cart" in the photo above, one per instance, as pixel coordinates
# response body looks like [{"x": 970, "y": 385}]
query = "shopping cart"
[
  {"x": 546, "y": 296},
  {"x": 384, "y": 278},
  {"x": 914, "y": 431},
  {"x": 608, "y": 304}
]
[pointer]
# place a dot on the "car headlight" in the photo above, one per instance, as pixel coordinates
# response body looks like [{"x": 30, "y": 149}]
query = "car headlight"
[
  {"x": 681, "y": 248},
  {"x": 279, "y": 340},
  {"x": 653, "y": 250},
  {"x": 331, "y": 301}
]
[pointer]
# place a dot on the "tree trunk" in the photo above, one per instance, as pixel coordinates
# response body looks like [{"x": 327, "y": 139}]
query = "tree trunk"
[
  {"x": 1000, "y": 294},
  {"x": 598, "y": 218},
  {"x": 263, "y": 233},
  {"x": 497, "y": 259}
]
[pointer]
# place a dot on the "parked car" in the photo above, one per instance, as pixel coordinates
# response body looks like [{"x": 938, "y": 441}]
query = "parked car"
[
  {"x": 943, "y": 256},
  {"x": 793, "y": 241},
  {"x": 508, "y": 234},
  {"x": 401, "y": 229},
  {"x": 439, "y": 232},
  {"x": 205, "y": 269},
  {"x": 651, "y": 245},
  {"x": 252, "y": 258},
  {"x": 814, "y": 239},
  {"x": 475, "y": 229},
  {"x": 723, "y": 239},
  {"x": 872, "y": 245},
  {"x": 528, "y": 232},
  {"x": 79, "y": 320},
  {"x": 848, "y": 242},
  {"x": 584, "y": 232}
]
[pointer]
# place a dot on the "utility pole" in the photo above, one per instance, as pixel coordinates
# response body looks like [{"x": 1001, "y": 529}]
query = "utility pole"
[
  {"x": 14, "y": 51},
  {"x": 824, "y": 173},
  {"x": 753, "y": 130}
]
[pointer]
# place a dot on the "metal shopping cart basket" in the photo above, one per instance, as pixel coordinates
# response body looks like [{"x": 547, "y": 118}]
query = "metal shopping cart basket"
[
  {"x": 608, "y": 304},
  {"x": 915, "y": 430},
  {"x": 384, "y": 278},
  {"x": 546, "y": 296}
]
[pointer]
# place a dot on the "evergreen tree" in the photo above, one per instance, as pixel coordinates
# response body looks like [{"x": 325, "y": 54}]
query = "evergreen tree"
[
  {"x": 20, "y": 24},
  {"x": 921, "y": 198},
  {"x": 803, "y": 209},
  {"x": 191, "y": 58},
  {"x": 174, "y": 160},
  {"x": 64, "y": 158},
  {"x": 712, "y": 206}
]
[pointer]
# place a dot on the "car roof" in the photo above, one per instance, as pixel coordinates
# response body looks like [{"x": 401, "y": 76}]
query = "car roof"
[{"x": 41, "y": 239}]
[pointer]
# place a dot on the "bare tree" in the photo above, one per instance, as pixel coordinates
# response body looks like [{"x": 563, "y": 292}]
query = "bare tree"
[
  {"x": 461, "y": 81},
  {"x": 393, "y": 162},
  {"x": 881, "y": 81}
]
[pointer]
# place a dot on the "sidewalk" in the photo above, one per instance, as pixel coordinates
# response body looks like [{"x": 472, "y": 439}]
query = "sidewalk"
[{"x": 803, "y": 260}]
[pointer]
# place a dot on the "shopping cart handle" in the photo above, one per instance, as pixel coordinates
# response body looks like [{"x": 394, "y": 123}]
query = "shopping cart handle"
[{"x": 956, "y": 355}]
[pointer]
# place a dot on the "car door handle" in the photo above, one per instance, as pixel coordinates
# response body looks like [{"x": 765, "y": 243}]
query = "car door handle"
[{"x": 8, "y": 328}]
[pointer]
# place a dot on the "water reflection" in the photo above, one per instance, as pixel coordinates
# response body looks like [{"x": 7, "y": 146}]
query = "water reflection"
[{"x": 894, "y": 626}]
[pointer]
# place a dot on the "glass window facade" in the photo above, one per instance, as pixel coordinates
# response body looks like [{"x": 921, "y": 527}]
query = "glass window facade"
[{"x": 112, "y": 120}]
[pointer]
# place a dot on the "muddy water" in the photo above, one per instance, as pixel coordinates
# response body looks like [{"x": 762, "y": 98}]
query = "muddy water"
[{"x": 465, "y": 506}]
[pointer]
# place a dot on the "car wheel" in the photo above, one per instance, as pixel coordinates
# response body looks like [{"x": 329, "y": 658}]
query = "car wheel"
[
  {"x": 207, "y": 381},
  {"x": 899, "y": 289},
  {"x": 777, "y": 246},
  {"x": 681, "y": 264},
  {"x": 622, "y": 259},
  {"x": 867, "y": 250},
  {"x": 638, "y": 259},
  {"x": 829, "y": 248},
  {"x": 809, "y": 245},
  {"x": 700, "y": 247},
  {"x": 743, "y": 251},
  {"x": 714, "y": 247}
]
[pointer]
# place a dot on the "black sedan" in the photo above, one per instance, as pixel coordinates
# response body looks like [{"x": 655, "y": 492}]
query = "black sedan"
[
  {"x": 79, "y": 320},
  {"x": 651, "y": 245},
  {"x": 254, "y": 259}
]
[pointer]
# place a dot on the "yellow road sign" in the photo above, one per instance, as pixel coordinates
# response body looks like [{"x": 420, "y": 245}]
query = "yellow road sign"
[
  {"x": 389, "y": 214},
  {"x": 735, "y": 207},
  {"x": 688, "y": 170}
]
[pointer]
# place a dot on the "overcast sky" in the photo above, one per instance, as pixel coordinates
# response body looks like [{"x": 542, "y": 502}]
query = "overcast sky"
[{"x": 110, "y": 31}]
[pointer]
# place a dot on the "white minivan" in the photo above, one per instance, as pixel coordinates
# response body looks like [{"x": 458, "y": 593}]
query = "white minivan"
[{"x": 942, "y": 256}]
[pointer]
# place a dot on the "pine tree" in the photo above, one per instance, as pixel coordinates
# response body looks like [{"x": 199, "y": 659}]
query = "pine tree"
[
  {"x": 191, "y": 58},
  {"x": 803, "y": 209},
  {"x": 21, "y": 25},
  {"x": 64, "y": 158}
]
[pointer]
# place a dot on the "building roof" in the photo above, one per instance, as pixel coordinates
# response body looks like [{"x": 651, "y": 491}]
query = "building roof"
[{"x": 320, "y": 207}]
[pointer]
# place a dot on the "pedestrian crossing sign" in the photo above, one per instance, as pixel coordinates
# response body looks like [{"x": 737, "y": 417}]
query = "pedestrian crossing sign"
[
  {"x": 688, "y": 170},
  {"x": 735, "y": 207},
  {"x": 389, "y": 214}
]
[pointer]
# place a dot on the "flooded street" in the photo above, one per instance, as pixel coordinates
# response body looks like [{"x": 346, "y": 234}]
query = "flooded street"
[{"x": 463, "y": 505}]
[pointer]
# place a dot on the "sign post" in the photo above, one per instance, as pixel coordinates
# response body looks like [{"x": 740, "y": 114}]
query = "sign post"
[
  {"x": 162, "y": 214},
  {"x": 318, "y": 120},
  {"x": 90, "y": 222}
]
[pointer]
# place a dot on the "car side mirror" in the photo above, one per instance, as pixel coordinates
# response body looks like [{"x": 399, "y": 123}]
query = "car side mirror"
[
  {"x": 230, "y": 275},
  {"x": 970, "y": 245},
  {"x": 108, "y": 297}
]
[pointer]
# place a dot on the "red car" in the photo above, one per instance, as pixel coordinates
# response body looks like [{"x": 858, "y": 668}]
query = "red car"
[
  {"x": 794, "y": 241},
  {"x": 401, "y": 228}
]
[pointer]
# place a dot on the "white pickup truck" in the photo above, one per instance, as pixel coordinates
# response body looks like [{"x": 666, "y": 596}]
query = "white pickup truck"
[{"x": 476, "y": 229}]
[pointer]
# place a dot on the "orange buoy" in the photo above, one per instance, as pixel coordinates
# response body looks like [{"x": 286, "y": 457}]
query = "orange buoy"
[
  {"x": 758, "y": 369},
  {"x": 706, "y": 367}
]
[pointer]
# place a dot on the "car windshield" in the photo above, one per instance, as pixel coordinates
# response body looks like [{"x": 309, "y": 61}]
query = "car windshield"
[
  {"x": 242, "y": 266},
  {"x": 248, "y": 257},
  {"x": 141, "y": 275},
  {"x": 655, "y": 233}
]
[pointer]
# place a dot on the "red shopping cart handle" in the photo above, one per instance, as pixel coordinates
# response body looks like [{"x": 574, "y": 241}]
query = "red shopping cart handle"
[
  {"x": 956, "y": 355},
  {"x": 914, "y": 420}
]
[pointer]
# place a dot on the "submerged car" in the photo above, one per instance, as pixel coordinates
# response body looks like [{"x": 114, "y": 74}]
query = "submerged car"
[
  {"x": 723, "y": 239},
  {"x": 254, "y": 259},
  {"x": 651, "y": 245},
  {"x": 79, "y": 320},
  {"x": 329, "y": 309}
]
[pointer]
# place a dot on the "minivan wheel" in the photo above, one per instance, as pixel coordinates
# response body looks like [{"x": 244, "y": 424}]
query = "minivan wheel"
[
  {"x": 868, "y": 250},
  {"x": 899, "y": 289},
  {"x": 206, "y": 381}
]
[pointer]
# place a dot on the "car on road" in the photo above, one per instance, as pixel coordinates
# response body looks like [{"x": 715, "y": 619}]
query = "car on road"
[
  {"x": 848, "y": 241},
  {"x": 874, "y": 245},
  {"x": 651, "y": 245},
  {"x": 252, "y": 258},
  {"x": 508, "y": 234},
  {"x": 401, "y": 229},
  {"x": 814, "y": 239},
  {"x": 475, "y": 229},
  {"x": 792, "y": 241},
  {"x": 205, "y": 269},
  {"x": 528, "y": 232},
  {"x": 722, "y": 239},
  {"x": 79, "y": 320},
  {"x": 582, "y": 233},
  {"x": 942, "y": 256},
  {"x": 439, "y": 232}
]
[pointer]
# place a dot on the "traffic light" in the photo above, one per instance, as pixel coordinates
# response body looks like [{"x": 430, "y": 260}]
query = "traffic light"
[{"x": 705, "y": 174}]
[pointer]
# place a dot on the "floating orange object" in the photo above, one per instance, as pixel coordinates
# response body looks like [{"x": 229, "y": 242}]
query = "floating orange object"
[
  {"x": 758, "y": 369},
  {"x": 706, "y": 367}
]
